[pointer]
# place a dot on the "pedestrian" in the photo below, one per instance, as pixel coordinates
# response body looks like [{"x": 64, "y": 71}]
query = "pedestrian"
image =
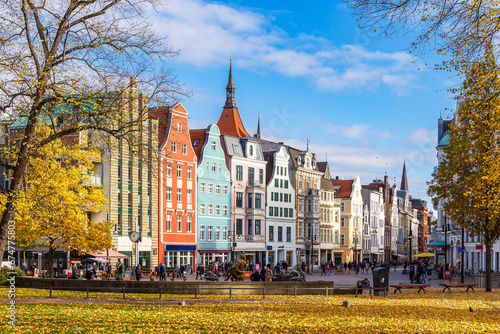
[
  {"x": 138, "y": 272},
  {"x": 199, "y": 271},
  {"x": 367, "y": 267},
  {"x": 345, "y": 266},
  {"x": 176, "y": 272},
  {"x": 328, "y": 269},
  {"x": 181, "y": 271},
  {"x": 269, "y": 274},
  {"x": 323, "y": 269},
  {"x": 349, "y": 266}
]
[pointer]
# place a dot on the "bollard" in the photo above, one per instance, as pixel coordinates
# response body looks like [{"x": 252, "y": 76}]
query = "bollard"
[
  {"x": 264, "y": 292},
  {"x": 295, "y": 291},
  {"x": 123, "y": 292},
  {"x": 195, "y": 293},
  {"x": 50, "y": 295},
  {"x": 87, "y": 292},
  {"x": 326, "y": 292},
  {"x": 230, "y": 292},
  {"x": 160, "y": 293},
  {"x": 182, "y": 303},
  {"x": 346, "y": 303}
]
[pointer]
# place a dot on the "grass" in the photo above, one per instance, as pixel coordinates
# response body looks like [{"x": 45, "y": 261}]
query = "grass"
[{"x": 408, "y": 312}]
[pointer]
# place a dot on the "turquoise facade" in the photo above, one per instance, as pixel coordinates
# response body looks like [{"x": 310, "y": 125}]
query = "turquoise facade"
[{"x": 214, "y": 201}]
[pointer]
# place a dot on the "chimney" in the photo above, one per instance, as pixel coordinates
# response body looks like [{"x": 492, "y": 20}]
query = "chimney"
[{"x": 281, "y": 143}]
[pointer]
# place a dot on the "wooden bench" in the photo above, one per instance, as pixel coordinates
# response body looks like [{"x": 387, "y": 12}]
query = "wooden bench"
[
  {"x": 458, "y": 285},
  {"x": 410, "y": 286}
]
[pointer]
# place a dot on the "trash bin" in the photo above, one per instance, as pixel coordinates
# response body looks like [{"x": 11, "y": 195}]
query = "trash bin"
[{"x": 380, "y": 280}]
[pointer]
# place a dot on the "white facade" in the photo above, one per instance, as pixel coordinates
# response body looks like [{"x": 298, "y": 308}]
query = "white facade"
[{"x": 280, "y": 211}]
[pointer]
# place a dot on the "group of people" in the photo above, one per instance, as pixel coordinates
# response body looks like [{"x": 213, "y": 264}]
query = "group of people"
[{"x": 179, "y": 271}]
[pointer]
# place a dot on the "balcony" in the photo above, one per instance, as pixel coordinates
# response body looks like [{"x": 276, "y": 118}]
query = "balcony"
[
  {"x": 256, "y": 212},
  {"x": 312, "y": 215},
  {"x": 312, "y": 192},
  {"x": 92, "y": 180}
]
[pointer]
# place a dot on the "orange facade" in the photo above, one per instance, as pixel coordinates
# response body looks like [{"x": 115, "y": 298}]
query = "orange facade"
[{"x": 177, "y": 188}]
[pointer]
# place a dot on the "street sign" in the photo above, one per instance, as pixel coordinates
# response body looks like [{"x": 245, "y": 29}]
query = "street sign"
[
  {"x": 460, "y": 249},
  {"x": 269, "y": 247}
]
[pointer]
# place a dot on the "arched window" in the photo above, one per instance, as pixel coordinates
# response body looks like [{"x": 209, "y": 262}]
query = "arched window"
[{"x": 251, "y": 150}]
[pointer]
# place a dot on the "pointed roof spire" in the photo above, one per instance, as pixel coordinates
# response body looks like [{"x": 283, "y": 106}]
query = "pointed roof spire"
[
  {"x": 230, "y": 101},
  {"x": 404, "y": 179},
  {"x": 257, "y": 135},
  {"x": 230, "y": 122}
]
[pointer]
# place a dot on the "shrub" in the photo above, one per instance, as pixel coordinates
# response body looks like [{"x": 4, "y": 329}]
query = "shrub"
[{"x": 4, "y": 274}]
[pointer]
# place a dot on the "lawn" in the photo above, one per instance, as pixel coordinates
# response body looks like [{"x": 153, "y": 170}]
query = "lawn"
[{"x": 409, "y": 312}]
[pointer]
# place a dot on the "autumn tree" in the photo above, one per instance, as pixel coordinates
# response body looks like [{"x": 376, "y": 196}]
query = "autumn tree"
[
  {"x": 70, "y": 52},
  {"x": 53, "y": 207},
  {"x": 469, "y": 177}
]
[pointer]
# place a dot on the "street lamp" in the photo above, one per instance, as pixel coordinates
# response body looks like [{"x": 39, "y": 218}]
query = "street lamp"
[
  {"x": 410, "y": 237},
  {"x": 232, "y": 237},
  {"x": 445, "y": 230},
  {"x": 462, "y": 263}
]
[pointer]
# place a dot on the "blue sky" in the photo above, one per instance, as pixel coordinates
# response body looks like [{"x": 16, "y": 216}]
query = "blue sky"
[{"x": 312, "y": 75}]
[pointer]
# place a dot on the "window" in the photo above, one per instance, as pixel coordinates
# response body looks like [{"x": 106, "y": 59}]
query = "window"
[
  {"x": 271, "y": 211},
  {"x": 179, "y": 195},
  {"x": 308, "y": 182},
  {"x": 280, "y": 233},
  {"x": 217, "y": 189},
  {"x": 250, "y": 197},
  {"x": 179, "y": 171},
  {"x": 239, "y": 200},
  {"x": 189, "y": 198},
  {"x": 189, "y": 224},
  {"x": 342, "y": 207},
  {"x": 208, "y": 166},
  {"x": 217, "y": 233},
  {"x": 251, "y": 150},
  {"x": 276, "y": 212},
  {"x": 236, "y": 148},
  {"x": 179, "y": 223},
  {"x": 286, "y": 213},
  {"x": 184, "y": 149},
  {"x": 169, "y": 194},
  {"x": 281, "y": 212},
  {"x": 258, "y": 201},
  {"x": 179, "y": 127},
  {"x": 169, "y": 169},
  {"x": 224, "y": 233},
  {"x": 281, "y": 197},
  {"x": 239, "y": 226},
  {"x": 210, "y": 210},
  {"x": 249, "y": 226},
  {"x": 286, "y": 183},
  {"x": 168, "y": 223},
  {"x": 213, "y": 144},
  {"x": 342, "y": 240},
  {"x": 239, "y": 173},
  {"x": 174, "y": 147},
  {"x": 257, "y": 227},
  {"x": 210, "y": 234},
  {"x": 281, "y": 168},
  {"x": 202, "y": 187},
  {"x": 285, "y": 171},
  {"x": 189, "y": 173},
  {"x": 276, "y": 183},
  {"x": 261, "y": 176},
  {"x": 202, "y": 232},
  {"x": 196, "y": 143},
  {"x": 220, "y": 168},
  {"x": 202, "y": 209},
  {"x": 290, "y": 212},
  {"x": 276, "y": 197},
  {"x": 214, "y": 167},
  {"x": 217, "y": 210},
  {"x": 288, "y": 232},
  {"x": 224, "y": 210},
  {"x": 224, "y": 190},
  {"x": 309, "y": 205},
  {"x": 251, "y": 179},
  {"x": 342, "y": 222},
  {"x": 271, "y": 233},
  {"x": 281, "y": 183},
  {"x": 210, "y": 188}
]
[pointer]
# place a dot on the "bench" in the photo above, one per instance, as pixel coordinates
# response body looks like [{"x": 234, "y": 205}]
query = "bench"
[
  {"x": 410, "y": 286},
  {"x": 458, "y": 285}
]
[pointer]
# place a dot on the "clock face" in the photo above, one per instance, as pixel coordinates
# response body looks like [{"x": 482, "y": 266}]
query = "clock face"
[{"x": 134, "y": 236}]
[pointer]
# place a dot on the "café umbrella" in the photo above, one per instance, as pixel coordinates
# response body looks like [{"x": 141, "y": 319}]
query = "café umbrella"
[{"x": 424, "y": 255}]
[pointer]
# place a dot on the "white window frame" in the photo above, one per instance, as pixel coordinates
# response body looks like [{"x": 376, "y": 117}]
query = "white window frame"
[
  {"x": 210, "y": 209},
  {"x": 213, "y": 145},
  {"x": 179, "y": 223},
  {"x": 210, "y": 188},
  {"x": 184, "y": 149},
  {"x": 202, "y": 187},
  {"x": 174, "y": 147},
  {"x": 225, "y": 210},
  {"x": 202, "y": 208},
  {"x": 168, "y": 222},
  {"x": 179, "y": 127},
  {"x": 179, "y": 171},
  {"x": 189, "y": 198},
  {"x": 210, "y": 233},
  {"x": 225, "y": 190},
  {"x": 189, "y": 224},
  {"x": 169, "y": 170},
  {"x": 202, "y": 232},
  {"x": 179, "y": 195},
  {"x": 217, "y": 189},
  {"x": 217, "y": 210}
]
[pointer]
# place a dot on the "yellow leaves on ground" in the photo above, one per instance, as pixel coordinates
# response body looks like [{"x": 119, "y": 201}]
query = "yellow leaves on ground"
[{"x": 409, "y": 312}]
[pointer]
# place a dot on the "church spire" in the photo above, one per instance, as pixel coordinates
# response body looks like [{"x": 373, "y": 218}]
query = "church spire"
[
  {"x": 404, "y": 179},
  {"x": 230, "y": 101},
  {"x": 257, "y": 135}
]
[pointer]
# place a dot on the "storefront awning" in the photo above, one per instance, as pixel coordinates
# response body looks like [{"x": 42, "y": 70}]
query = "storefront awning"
[
  {"x": 215, "y": 251},
  {"x": 112, "y": 255},
  {"x": 185, "y": 248},
  {"x": 437, "y": 243}
]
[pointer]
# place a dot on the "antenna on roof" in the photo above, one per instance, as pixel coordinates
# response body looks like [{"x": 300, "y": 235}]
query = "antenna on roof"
[
  {"x": 307, "y": 141},
  {"x": 386, "y": 168},
  {"x": 326, "y": 156}
]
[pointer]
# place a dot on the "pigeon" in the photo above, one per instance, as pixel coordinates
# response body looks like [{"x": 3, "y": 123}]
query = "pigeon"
[{"x": 470, "y": 309}]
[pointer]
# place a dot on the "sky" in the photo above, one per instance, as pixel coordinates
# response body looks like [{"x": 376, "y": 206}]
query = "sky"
[{"x": 364, "y": 104}]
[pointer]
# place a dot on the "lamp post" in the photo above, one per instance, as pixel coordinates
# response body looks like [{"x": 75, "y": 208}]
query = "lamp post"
[
  {"x": 462, "y": 263},
  {"x": 445, "y": 230},
  {"x": 232, "y": 237},
  {"x": 410, "y": 237}
]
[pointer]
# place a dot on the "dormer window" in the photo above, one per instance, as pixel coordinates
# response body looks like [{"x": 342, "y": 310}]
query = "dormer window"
[
  {"x": 196, "y": 143},
  {"x": 299, "y": 161},
  {"x": 251, "y": 150}
]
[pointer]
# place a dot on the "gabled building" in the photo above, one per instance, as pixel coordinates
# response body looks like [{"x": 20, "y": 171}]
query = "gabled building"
[
  {"x": 329, "y": 219},
  {"x": 280, "y": 208},
  {"x": 373, "y": 225},
  {"x": 351, "y": 218},
  {"x": 405, "y": 216},
  {"x": 214, "y": 197},
  {"x": 177, "y": 188},
  {"x": 423, "y": 223}
]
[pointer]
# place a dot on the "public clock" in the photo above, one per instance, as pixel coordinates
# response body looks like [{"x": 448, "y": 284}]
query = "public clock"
[{"x": 134, "y": 236}]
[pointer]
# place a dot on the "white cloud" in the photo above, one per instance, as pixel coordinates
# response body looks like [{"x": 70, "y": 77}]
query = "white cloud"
[{"x": 207, "y": 33}]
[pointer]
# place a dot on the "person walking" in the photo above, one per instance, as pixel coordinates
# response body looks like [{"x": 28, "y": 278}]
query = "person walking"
[
  {"x": 345, "y": 266},
  {"x": 181, "y": 271},
  {"x": 199, "y": 271},
  {"x": 138, "y": 272}
]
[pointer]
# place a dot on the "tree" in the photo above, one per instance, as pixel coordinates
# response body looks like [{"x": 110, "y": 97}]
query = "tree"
[
  {"x": 52, "y": 210},
  {"x": 469, "y": 177},
  {"x": 459, "y": 30},
  {"x": 71, "y": 53}
]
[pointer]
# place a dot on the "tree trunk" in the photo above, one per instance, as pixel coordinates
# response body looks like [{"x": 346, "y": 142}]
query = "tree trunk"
[
  {"x": 51, "y": 261},
  {"x": 488, "y": 266}
]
